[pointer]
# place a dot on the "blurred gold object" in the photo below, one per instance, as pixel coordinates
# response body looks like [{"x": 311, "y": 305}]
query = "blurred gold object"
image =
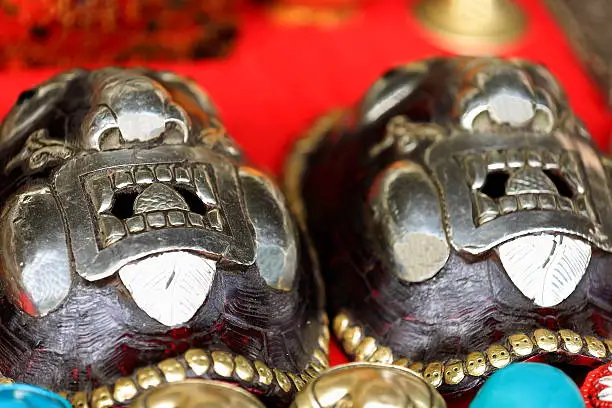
[
  {"x": 360, "y": 385},
  {"x": 472, "y": 26},
  {"x": 313, "y": 12},
  {"x": 197, "y": 394}
]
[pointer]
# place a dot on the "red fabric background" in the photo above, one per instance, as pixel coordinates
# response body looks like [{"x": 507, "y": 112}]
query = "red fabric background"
[{"x": 278, "y": 78}]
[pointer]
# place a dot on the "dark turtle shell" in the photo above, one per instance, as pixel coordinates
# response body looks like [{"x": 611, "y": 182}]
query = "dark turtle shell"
[
  {"x": 461, "y": 214},
  {"x": 138, "y": 248}
]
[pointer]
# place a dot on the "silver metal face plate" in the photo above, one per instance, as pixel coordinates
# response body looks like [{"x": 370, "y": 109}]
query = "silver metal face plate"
[
  {"x": 587, "y": 215},
  {"x": 102, "y": 243}
]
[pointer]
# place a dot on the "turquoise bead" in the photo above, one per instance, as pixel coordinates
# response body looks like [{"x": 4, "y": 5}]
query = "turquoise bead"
[
  {"x": 29, "y": 396},
  {"x": 529, "y": 385}
]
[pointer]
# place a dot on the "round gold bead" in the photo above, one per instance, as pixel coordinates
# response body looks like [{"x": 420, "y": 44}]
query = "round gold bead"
[
  {"x": 172, "y": 370},
  {"x": 417, "y": 367},
  {"x": 101, "y": 398},
  {"x": 571, "y": 341},
  {"x": 351, "y": 339},
  {"x": 223, "y": 363},
  {"x": 195, "y": 393},
  {"x": 147, "y": 377},
  {"x": 498, "y": 356},
  {"x": 79, "y": 400},
  {"x": 282, "y": 380},
  {"x": 521, "y": 344},
  {"x": 244, "y": 369},
  {"x": 124, "y": 390},
  {"x": 453, "y": 372},
  {"x": 402, "y": 362},
  {"x": 546, "y": 339},
  {"x": 476, "y": 364},
  {"x": 265, "y": 375},
  {"x": 595, "y": 347},
  {"x": 341, "y": 323},
  {"x": 365, "y": 349},
  {"x": 382, "y": 355},
  {"x": 433, "y": 374},
  {"x": 197, "y": 360}
]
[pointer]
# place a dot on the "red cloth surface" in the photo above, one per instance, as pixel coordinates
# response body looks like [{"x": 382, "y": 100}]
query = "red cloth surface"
[{"x": 279, "y": 78}]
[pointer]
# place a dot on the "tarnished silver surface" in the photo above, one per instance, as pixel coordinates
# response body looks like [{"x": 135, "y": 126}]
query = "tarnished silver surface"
[
  {"x": 405, "y": 205},
  {"x": 276, "y": 241},
  {"x": 35, "y": 260},
  {"x": 144, "y": 184}
]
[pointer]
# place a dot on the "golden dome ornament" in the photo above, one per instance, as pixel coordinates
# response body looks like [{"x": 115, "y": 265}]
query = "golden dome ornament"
[
  {"x": 195, "y": 394},
  {"x": 359, "y": 385},
  {"x": 471, "y": 27}
]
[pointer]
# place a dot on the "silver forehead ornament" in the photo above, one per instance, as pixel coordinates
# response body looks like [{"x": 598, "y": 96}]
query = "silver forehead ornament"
[
  {"x": 537, "y": 188},
  {"x": 136, "y": 191}
]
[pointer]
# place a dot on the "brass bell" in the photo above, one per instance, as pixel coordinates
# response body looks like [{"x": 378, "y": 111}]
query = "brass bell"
[{"x": 475, "y": 27}]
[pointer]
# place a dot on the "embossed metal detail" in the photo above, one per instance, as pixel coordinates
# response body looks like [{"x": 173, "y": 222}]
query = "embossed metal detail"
[
  {"x": 118, "y": 100},
  {"x": 40, "y": 151},
  {"x": 368, "y": 385}
]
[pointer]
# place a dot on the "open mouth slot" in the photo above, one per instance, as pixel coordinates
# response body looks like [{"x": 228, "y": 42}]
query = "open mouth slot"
[
  {"x": 136, "y": 199},
  {"x": 507, "y": 181}
]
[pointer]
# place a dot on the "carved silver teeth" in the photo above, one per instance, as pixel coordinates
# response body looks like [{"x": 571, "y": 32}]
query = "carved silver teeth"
[
  {"x": 550, "y": 160},
  {"x": 100, "y": 192},
  {"x": 135, "y": 224},
  {"x": 534, "y": 159},
  {"x": 176, "y": 218},
  {"x": 476, "y": 171},
  {"x": 515, "y": 158},
  {"x": 169, "y": 219},
  {"x": 111, "y": 229},
  {"x": 508, "y": 204},
  {"x": 531, "y": 185},
  {"x": 156, "y": 220},
  {"x": 495, "y": 160},
  {"x": 144, "y": 175},
  {"x": 486, "y": 207},
  {"x": 163, "y": 173},
  {"x": 214, "y": 217},
  {"x": 182, "y": 175},
  {"x": 203, "y": 186},
  {"x": 196, "y": 219},
  {"x": 547, "y": 202},
  {"x": 122, "y": 179},
  {"x": 157, "y": 205}
]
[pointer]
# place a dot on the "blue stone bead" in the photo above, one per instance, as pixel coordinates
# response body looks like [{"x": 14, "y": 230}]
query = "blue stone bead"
[
  {"x": 29, "y": 396},
  {"x": 529, "y": 385}
]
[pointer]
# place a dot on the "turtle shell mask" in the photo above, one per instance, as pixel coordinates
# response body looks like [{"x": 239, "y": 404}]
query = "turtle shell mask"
[
  {"x": 138, "y": 248},
  {"x": 463, "y": 220}
]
